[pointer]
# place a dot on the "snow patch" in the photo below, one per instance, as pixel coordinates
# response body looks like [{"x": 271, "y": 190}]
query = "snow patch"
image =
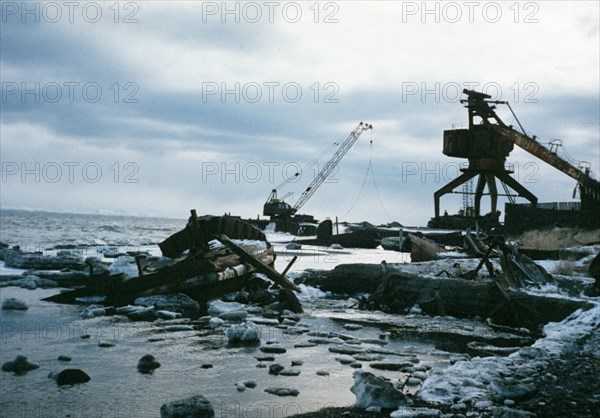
[
  {"x": 126, "y": 265},
  {"x": 245, "y": 333},
  {"x": 218, "y": 307},
  {"x": 375, "y": 391},
  {"x": 407, "y": 412},
  {"x": 309, "y": 292}
]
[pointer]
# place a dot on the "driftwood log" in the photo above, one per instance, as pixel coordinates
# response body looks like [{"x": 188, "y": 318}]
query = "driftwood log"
[
  {"x": 424, "y": 249},
  {"x": 396, "y": 291}
]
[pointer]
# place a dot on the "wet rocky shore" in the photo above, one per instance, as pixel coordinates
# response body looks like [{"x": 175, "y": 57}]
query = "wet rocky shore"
[{"x": 337, "y": 356}]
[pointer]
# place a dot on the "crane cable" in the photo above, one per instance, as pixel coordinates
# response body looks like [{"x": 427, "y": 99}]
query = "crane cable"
[
  {"x": 369, "y": 169},
  {"x": 361, "y": 188},
  {"x": 315, "y": 160},
  {"x": 517, "y": 119}
]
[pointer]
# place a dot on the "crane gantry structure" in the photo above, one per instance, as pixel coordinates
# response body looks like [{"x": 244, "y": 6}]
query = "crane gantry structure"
[{"x": 486, "y": 144}]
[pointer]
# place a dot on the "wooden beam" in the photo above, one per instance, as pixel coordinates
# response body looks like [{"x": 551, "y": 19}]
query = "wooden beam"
[{"x": 261, "y": 267}]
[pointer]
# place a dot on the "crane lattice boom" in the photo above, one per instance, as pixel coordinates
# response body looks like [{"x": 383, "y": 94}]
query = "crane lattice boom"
[
  {"x": 276, "y": 207},
  {"x": 331, "y": 164}
]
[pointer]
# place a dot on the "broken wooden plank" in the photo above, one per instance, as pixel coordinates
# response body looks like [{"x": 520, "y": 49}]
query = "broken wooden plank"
[
  {"x": 289, "y": 266},
  {"x": 258, "y": 264}
]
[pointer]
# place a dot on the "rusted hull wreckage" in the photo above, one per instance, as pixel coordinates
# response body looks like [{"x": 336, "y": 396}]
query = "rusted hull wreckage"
[{"x": 212, "y": 255}]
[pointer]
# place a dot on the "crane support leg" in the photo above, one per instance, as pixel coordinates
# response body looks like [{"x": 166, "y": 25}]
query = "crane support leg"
[
  {"x": 517, "y": 187},
  {"x": 491, "y": 183},
  {"x": 478, "y": 193},
  {"x": 464, "y": 177}
]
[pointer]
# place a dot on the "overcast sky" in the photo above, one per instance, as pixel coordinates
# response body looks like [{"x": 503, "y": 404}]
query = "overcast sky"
[{"x": 150, "y": 107}]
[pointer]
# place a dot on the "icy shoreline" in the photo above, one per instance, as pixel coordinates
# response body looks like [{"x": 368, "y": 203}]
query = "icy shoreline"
[{"x": 479, "y": 381}]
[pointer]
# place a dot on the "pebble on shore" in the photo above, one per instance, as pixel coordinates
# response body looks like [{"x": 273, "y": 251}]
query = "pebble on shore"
[
  {"x": 20, "y": 365},
  {"x": 13, "y": 304},
  {"x": 71, "y": 377},
  {"x": 147, "y": 364},
  {"x": 282, "y": 391}
]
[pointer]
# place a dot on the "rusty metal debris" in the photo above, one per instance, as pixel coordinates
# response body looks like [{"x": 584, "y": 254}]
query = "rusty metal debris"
[{"x": 195, "y": 265}]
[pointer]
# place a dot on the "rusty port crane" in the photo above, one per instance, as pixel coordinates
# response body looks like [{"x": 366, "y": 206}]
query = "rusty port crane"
[{"x": 486, "y": 144}]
